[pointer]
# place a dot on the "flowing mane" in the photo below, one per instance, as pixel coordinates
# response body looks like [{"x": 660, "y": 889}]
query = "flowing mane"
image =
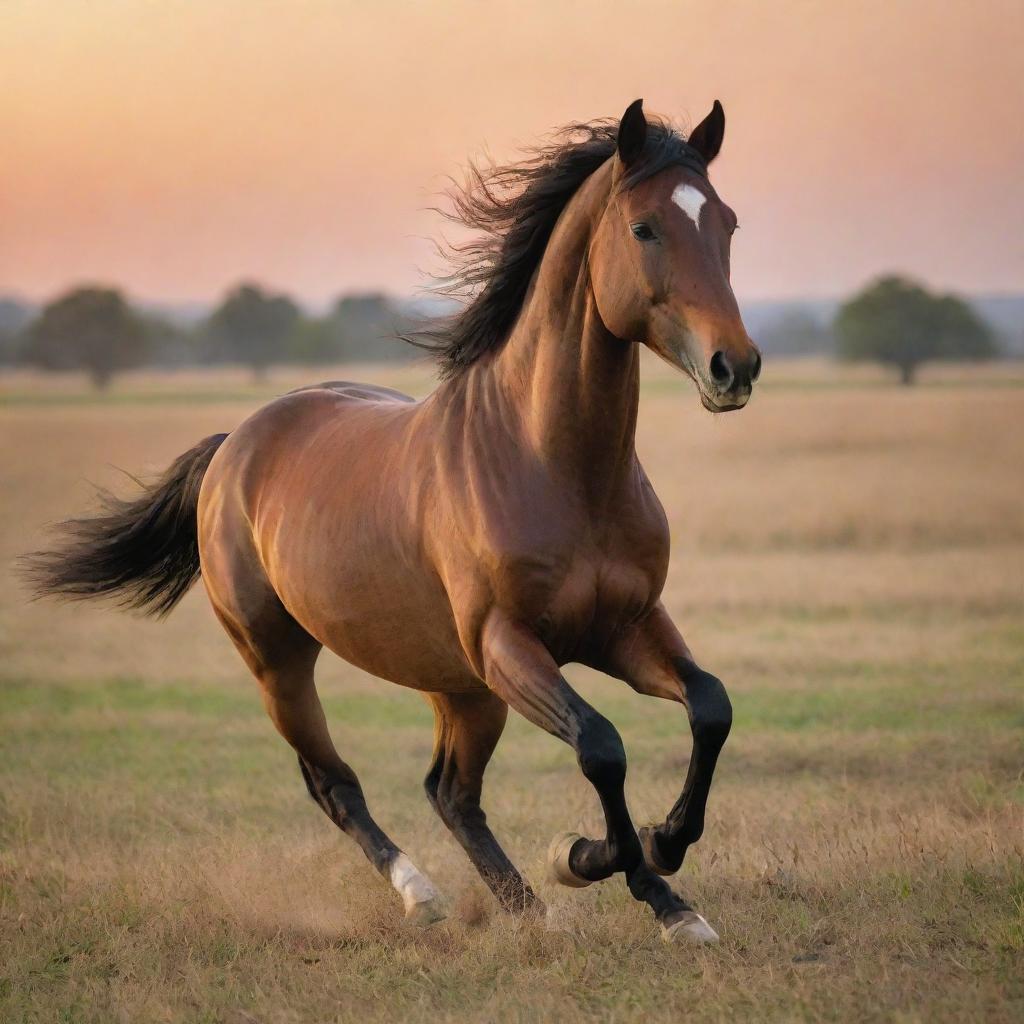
[{"x": 514, "y": 209}]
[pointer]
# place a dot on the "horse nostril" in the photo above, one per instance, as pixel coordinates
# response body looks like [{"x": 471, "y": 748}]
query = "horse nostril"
[
  {"x": 720, "y": 369},
  {"x": 755, "y": 371}
]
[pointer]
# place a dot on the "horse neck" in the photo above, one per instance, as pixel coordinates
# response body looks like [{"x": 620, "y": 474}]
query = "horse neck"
[{"x": 570, "y": 383}]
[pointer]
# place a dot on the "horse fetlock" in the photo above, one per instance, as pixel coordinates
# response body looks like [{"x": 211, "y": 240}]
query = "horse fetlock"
[
  {"x": 558, "y": 860},
  {"x": 660, "y": 857},
  {"x": 515, "y": 896}
]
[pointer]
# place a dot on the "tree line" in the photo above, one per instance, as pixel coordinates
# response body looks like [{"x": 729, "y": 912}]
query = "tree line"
[
  {"x": 894, "y": 321},
  {"x": 97, "y": 329}
]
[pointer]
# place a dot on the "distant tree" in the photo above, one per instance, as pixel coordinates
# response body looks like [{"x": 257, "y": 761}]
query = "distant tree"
[
  {"x": 14, "y": 317},
  {"x": 14, "y": 314},
  {"x": 252, "y": 327},
  {"x": 369, "y": 327},
  {"x": 896, "y": 321},
  {"x": 168, "y": 343},
  {"x": 10, "y": 347},
  {"x": 316, "y": 341},
  {"x": 89, "y": 328},
  {"x": 796, "y": 332}
]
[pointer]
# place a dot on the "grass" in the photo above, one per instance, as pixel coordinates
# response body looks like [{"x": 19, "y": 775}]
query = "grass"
[{"x": 848, "y": 558}]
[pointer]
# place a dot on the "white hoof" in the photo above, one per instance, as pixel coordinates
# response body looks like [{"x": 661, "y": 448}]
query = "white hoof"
[
  {"x": 558, "y": 861},
  {"x": 424, "y": 905},
  {"x": 691, "y": 927},
  {"x": 426, "y": 912}
]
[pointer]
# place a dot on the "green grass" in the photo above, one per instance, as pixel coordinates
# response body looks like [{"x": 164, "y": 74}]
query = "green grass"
[{"x": 171, "y": 815}]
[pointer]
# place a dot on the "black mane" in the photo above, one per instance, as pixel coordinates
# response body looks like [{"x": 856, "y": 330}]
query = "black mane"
[{"x": 514, "y": 208}]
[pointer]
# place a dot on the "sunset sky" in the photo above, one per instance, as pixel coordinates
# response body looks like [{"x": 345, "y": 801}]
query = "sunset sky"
[{"x": 175, "y": 146}]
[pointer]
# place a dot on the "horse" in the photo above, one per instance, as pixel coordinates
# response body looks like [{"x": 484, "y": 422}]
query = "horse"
[{"x": 470, "y": 544}]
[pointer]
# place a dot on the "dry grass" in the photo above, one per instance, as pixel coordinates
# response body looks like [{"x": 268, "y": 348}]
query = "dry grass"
[{"x": 849, "y": 557}]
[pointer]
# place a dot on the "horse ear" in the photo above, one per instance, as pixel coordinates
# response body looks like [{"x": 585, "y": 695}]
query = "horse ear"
[
  {"x": 632, "y": 133},
  {"x": 707, "y": 137}
]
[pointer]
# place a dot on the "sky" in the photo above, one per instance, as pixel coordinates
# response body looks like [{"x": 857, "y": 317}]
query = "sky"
[{"x": 174, "y": 147}]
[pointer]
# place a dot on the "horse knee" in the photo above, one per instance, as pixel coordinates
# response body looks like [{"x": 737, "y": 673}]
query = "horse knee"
[
  {"x": 601, "y": 755},
  {"x": 711, "y": 727},
  {"x": 708, "y": 704}
]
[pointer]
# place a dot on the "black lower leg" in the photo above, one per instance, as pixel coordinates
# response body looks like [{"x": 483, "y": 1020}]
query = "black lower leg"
[
  {"x": 460, "y": 810},
  {"x": 603, "y": 761},
  {"x": 341, "y": 798},
  {"x": 521, "y": 671},
  {"x": 710, "y": 714}
]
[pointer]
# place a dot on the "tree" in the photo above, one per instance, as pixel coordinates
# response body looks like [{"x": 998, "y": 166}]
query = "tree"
[
  {"x": 796, "y": 332},
  {"x": 14, "y": 317},
  {"x": 316, "y": 341},
  {"x": 369, "y": 327},
  {"x": 252, "y": 326},
  {"x": 168, "y": 343},
  {"x": 89, "y": 328},
  {"x": 898, "y": 322}
]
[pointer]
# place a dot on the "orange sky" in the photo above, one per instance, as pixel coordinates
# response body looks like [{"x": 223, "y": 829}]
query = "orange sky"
[{"x": 174, "y": 146}]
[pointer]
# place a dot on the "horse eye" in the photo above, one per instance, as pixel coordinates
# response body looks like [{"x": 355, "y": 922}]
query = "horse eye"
[{"x": 642, "y": 232}]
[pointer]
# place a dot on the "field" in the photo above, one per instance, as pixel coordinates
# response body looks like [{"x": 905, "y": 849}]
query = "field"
[{"x": 848, "y": 556}]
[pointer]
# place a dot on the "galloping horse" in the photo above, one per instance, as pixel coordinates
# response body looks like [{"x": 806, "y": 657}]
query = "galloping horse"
[{"x": 470, "y": 544}]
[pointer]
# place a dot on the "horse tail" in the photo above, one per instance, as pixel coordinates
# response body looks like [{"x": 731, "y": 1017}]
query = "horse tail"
[{"x": 142, "y": 552}]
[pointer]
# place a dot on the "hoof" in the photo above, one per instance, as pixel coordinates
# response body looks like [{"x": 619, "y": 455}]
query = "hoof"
[
  {"x": 651, "y": 852},
  {"x": 689, "y": 926},
  {"x": 424, "y": 905},
  {"x": 426, "y": 912},
  {"x": 558, "y": 860}
]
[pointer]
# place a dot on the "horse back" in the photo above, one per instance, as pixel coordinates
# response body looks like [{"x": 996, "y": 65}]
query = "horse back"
[{"x": 356, "y": 390}]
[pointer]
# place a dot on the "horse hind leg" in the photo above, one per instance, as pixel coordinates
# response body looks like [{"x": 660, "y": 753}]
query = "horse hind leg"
[
  {"x": 467, "y": 727},
  {"x": 339, "y": 794},
  {"x": 282, "y": 655}
]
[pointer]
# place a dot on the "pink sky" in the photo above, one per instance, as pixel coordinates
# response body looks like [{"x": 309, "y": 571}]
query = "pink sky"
[{"x": 175, "y": 147}]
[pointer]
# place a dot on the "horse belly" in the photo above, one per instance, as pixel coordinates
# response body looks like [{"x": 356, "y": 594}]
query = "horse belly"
[
  {"x": 407, "y": 643},
  {"x": 378, "y": 614},
  {"x": 333, "y": 494}
]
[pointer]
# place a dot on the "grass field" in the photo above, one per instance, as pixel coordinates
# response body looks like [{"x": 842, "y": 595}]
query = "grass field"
[{"x": 848, "y": 556}]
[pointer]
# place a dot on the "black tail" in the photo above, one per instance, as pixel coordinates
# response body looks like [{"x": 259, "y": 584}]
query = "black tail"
[{"x": 143, "y": 553}]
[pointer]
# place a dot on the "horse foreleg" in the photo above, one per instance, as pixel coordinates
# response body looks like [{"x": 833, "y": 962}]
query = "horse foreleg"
[
  {"x": 467, "y": 729},
  {"x": 653, "y": 658},
  {"x": 519, "y": 669}
]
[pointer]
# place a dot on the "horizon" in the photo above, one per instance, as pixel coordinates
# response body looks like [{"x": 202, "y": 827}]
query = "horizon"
[{"x": 873, "y": 140}]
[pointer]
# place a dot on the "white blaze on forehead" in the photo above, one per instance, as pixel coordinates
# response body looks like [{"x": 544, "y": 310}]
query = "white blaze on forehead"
[{"x": 690, "y": 200}]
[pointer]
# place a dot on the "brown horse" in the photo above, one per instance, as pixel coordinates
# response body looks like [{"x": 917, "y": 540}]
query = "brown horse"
[{"x": 470, "y": 544}]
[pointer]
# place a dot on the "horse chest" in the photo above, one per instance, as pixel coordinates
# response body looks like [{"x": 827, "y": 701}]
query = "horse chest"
[
  {"x": 573, "y": 574},
  {"x": 600, "y": 595},
  {"x": 575, "y": 595}
]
